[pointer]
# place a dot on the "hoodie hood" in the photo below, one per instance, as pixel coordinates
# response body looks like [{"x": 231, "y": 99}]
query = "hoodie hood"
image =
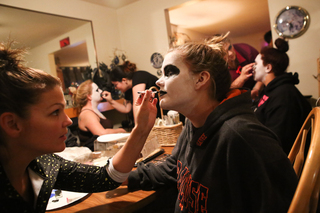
[
  {"x": 229, "y": 108},
  {"x": 286, "y": 78}
]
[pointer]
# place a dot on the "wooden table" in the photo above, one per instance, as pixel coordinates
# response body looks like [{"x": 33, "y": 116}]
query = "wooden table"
[{"x": 115, "y": 201}]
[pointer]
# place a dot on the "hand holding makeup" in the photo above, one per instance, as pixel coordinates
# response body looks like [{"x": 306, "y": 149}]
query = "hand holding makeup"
[
  {"x": 107, "y": 96},
  {"x": 146, "y": 110},
  {"x": 246, "y": 71}
]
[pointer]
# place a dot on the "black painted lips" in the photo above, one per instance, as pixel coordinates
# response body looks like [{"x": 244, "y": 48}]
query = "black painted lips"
[{"x": 162, "y": 92}]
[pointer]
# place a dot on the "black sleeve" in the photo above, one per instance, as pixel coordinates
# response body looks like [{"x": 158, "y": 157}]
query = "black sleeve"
[
  {"x": 144, "y": 77},
  {"x": 78, "y": 177},
  {"x": 151, "y": 177}
]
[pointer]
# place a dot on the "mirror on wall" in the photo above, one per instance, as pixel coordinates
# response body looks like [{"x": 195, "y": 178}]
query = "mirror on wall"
[
  {"x": 246, "y": 20},
  {"x": 45, "y": 36}
]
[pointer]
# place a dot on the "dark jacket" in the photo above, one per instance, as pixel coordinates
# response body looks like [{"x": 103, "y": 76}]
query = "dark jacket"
[
  {"x": 231, "y": 164},
  {"x": 283, "y": 109},
  {"x": 57, "y": 174}
]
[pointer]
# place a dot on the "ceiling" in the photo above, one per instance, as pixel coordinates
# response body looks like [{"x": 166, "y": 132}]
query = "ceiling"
[
  {"x": 240, "y": 17},
  {"x": 115, "y": 4}
]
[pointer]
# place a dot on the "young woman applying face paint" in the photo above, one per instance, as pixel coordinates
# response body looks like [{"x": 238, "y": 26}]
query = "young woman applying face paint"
[
  {"x": 33, "y": 125},
  {"x": 91, "y": 122},
  {"x": 282, "y": 107},
  {"x": 225, "y": 160},
  {"x": 240, "y": 59},
  {"x": 129, "y": 81}
]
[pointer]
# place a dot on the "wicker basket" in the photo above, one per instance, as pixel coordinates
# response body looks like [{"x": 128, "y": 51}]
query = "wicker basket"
[{"x": 167, "y": 135}]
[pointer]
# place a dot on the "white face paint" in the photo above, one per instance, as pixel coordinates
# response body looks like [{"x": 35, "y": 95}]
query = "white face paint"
[
  {"x": 176, "y": 84},
  {"x": 259, "y": 71},
  {"x": 96, "y": 94}
]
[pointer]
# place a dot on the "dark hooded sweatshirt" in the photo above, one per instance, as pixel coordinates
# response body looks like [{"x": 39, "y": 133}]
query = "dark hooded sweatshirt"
[
  {"x": 231, "y": 164},
  {"x": 283, "y": 109}
]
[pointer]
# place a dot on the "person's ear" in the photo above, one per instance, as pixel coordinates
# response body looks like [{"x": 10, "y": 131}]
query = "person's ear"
[
  {"x": 124, "y": 80},
  {"x": 268, "y": 68},
  {"x": 89, "y": 97},
  {"x": 202, "y": 79},
  {"x": 9, "y": 122}
]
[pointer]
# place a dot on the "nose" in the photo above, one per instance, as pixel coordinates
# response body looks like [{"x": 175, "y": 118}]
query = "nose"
[
  {"x": 67, "y": 121},
  {"x": 159, "y": 82}
]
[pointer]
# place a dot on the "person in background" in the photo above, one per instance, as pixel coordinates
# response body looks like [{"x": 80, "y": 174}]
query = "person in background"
[
  {"x": 129, "y": 81},
  {"x": 268, "y": 38},
  {"x": 91, "y": 122},
  {"x": 240, "y": 61},
  {"x": 282, "y": 107},
  {"x": 225, "y": 160},
  {"x": 33, "y": 126}
]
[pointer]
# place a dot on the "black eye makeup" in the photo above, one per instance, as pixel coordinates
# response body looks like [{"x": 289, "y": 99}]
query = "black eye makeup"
[{"x": 170, "y": 70}]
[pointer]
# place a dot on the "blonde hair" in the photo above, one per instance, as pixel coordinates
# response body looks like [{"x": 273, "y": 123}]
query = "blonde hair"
[
  {"x": 208, "y": 55},
  {"x": 81, "y": 97}
]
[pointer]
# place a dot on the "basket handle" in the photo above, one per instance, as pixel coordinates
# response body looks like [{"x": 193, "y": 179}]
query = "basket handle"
[{"x": 153, "y": 87}]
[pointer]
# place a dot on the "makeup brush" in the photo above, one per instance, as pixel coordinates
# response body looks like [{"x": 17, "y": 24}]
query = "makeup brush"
[{"x": 143, "y": 92}]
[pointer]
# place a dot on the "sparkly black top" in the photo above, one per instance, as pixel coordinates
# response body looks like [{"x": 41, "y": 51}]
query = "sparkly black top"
[{"x": 57, "y": 173}]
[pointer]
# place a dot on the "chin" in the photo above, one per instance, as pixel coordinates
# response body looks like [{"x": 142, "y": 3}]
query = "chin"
[
  {"x": 60, "y": 147},
  {"x": 164, "y": 105}
]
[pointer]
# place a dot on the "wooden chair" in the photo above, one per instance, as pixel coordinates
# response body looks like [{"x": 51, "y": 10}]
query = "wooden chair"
[{"x": 307, "y": 193}]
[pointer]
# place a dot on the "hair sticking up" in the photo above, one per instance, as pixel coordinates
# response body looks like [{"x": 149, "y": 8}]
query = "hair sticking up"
[
  {"x": 11, "y": 59},
  {"x": 20, "y": 86},
  {"x": 208, "y": 55}
]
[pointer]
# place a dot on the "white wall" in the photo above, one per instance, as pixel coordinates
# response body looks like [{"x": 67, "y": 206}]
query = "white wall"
[
  {"x": 304, "y": 50},
  {"x": 143, "y": 30}
]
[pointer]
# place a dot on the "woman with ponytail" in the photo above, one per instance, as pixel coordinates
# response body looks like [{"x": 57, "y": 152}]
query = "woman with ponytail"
[
  {"x": 130, "y": 81},
  {"x": 282, "y": 107}
]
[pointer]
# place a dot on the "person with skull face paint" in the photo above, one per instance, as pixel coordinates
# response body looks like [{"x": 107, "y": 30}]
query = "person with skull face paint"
[
  {"x": 282, "y": 107},
  {"x": 225, "y": 160},
  {"x": 91, "y": 122}
]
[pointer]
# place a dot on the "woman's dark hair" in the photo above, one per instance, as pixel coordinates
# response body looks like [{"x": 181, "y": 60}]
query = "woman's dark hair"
[
  {"x": 208, "y": 56},
  {"x": 268, "y": 36},
  {"x": 20, "y": 86},
  {"x": 125, "y": 70},
  {"x": 277, "y": 57}
]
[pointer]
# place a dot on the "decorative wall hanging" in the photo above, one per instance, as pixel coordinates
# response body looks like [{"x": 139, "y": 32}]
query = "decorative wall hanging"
[{"x": 119, "y": 57}]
